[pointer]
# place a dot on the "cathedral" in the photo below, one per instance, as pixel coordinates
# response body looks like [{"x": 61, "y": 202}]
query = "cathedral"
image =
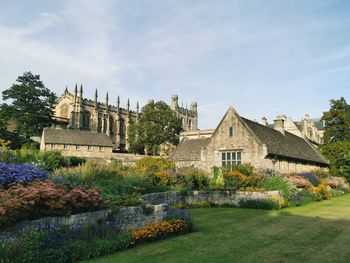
[{"x": 74, "y": 112}]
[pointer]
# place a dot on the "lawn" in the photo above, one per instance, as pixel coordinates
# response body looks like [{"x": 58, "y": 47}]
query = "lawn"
[{"x": 318, "y": 232}]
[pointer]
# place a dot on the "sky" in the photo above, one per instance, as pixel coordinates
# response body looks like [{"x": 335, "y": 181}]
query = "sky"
[{"x": 264, "y": 58}]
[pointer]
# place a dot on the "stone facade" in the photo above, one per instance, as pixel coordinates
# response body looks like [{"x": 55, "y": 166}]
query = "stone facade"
[
  {"x": 73, "y": 111},
  {"x": 238, "y": 140},
  {"x": 310, "y": 129}
]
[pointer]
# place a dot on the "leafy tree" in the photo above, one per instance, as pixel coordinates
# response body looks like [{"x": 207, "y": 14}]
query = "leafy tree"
[
  {"x": 337, "y": 121},
  {"x": 157, "y": 125},
  {"x": 30, "y": 105},
  {"x": 337, "y": 137}
]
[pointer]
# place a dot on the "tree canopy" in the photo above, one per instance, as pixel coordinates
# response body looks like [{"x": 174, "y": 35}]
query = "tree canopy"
[
  {"x": 336, "y": 145},
  {"x": 30, "y": 105},
  {"x": 337, "y": 121},
  {"x": 157, "y": 125}
]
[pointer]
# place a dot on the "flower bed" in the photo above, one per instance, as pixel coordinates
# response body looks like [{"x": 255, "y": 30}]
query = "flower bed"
[
  {"x": 10, "y": 173},
  {"x": 44, "y": 198},
  {"x": 85, "y": 242}
]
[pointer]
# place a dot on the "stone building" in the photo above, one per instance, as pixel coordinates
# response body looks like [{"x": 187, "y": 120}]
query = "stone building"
[
  {"x": 238, "y": 140},
  {"x": 310, "y": 129},
  {"x": 77, "y": 143},
  {"x": 75, "y": 112}
]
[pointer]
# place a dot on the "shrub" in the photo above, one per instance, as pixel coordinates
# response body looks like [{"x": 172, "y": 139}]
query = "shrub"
[
  {"x": 246, "y": 169},
  {"x": 44, "y": 198},
  {"x": 151, "y": 165},
  {"x": 158, "y": 230},
  {"x": 237, "y": 180},
  {"x": 280, "y": 183},
  {"x": 301, "y": 198},
  {"x": 322, "y": 193},
  {"x": 331, "y": 181},
  {"x": 10, "y": 173},
  {"x": 299, "y": 181},
  {"x": 65, "y": 245},
  {"x": 265, "y": 204},
  {"x": 312, "y": 177},
  {"x": 194, "y": 179}
]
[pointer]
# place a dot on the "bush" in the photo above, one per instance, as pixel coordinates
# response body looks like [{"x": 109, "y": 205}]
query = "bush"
[
  {"x": 65, "y": 245},
  {"x": 44, "y": 198},
  {"x": 301, "y": 198},
  {"x": 246, "y": 169},
  {"x": 159, "y": 230},
  {"x": 278, "y": 182},
  {"x": 192, "y": 178},
  {"x": 265, "y": 204},
  {"x": 312, "y": 177},
  {"x": 322, "y": 193},
  {"x": 237, "y": 180},
  {"x": 150, "y": 165},
  {"x": 48, "y": 160},
  {"x": 299, "y": 181},
  {"x": 10, "y": 173}
]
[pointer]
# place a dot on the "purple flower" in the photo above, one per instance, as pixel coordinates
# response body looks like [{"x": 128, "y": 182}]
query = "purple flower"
[{"x": 10, "y": 173}]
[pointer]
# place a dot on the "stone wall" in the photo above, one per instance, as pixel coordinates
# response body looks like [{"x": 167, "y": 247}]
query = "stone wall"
[
  {"x": 125, "y": 217},
  {"x": 220, "y": 197},
  {"x": 134, "y": 217},
  {"x": 127, "y": 158}
]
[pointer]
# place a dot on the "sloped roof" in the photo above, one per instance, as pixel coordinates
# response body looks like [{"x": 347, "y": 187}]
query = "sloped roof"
[
  {"x": 288, "y": 146},
  {"x": 189, "y": 149},
  {"x": 63, "y": 136}
]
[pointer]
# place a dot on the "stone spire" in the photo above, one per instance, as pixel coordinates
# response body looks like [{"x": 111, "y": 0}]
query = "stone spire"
[
  {"x": 81, "y": 93},
  {"x": 137, "y": 108},
  {"x": 128, "y": 105},
  {"x": 107, "y": 107},
  {"x": 95, "y": 103},
  {"x": 66, "y": 90},
  {"x": 118, "y": 102}
]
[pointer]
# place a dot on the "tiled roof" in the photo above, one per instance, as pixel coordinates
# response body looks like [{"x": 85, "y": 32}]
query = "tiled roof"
[
  {"x": 189, "y": 149},
  {"x": 288, "y": 146},
  {"x": 63, "y": 136}
]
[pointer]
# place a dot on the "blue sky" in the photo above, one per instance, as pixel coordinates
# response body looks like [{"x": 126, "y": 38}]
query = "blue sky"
[{"x": 264, "y": 58}]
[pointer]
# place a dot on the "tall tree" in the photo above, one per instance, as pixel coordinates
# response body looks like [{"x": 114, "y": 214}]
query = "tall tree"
[
  {"x": 157, "y": 125},
  {"x": 336, "y": 145},
  {"x": 337, "y": 121},
  {"x": 30, "y": 105}
]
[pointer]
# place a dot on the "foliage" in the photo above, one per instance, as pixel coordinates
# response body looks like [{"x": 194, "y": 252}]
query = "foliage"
[
  {"x": 312, "y": 177},
  {"x": 31, "y": 105},
  {"x": 157, "y": 125},
  {"x": 113, "y": 180},
  {"x": 246, "y": 168},
  {"x": 301, "y": 198},
  {"x": 275, "y": 181},
  {"x": 322, "y": 193},
  {"x": 48, "y": 160},
  {"x": 193, "y": 178},
  {"x": 65, "y": 245},
  {"x": 158, "y": 230},
  {"x": 44, "y": 198},
  {"x": 151, "y": 165},
  {"x": 337, "y": 121},
  {"x": 10, "y": 173},
  {"x": 237, "y": 180},
  {"x": 299, "y": 181},
  {"x": 265, "y": 204}
]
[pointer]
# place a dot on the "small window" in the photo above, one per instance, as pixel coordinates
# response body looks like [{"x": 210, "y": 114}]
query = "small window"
[
  {"x": 223, "y": 156},
  {"x": 53, "y": 146},
  {"x": 89, "y": 148},
  {"x": 66, "y": 147},
  {"x": 230, "y": 131},
  {"x": 101, "y": 148},
  {"x": 77, "y": 147}
]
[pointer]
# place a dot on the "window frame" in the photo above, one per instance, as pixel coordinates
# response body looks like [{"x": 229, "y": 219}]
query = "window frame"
[
  {"x": 230, "y": 131},
  {"x": 230, "y": 158},
  {"x": 77, "y": 147},
  {"x": 89, "y": 148},
  {"x": 65, "y": 147}
]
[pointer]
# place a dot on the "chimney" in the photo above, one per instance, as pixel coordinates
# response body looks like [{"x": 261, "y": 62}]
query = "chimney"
[
  {"x": 264, "y": 121},
  {"x": 279, "y": 123}
]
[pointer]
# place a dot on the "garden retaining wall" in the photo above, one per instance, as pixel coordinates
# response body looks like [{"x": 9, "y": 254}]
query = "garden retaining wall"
[
  {"x": 125, "y": 218},
  {"x": 221, "y": 197},
  {"x": 134, "y": 217}
]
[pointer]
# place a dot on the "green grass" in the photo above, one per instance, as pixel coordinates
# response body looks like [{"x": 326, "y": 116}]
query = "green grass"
[{"x": 318, "y": 232}]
